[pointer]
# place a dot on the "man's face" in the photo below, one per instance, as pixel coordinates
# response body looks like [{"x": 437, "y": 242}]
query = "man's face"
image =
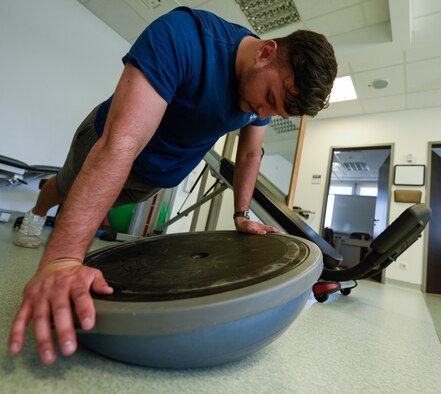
[{"x": 262, "y": 90}]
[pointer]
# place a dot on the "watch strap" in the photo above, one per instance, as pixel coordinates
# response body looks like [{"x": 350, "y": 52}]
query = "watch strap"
[{"x": 241, "y": 214}]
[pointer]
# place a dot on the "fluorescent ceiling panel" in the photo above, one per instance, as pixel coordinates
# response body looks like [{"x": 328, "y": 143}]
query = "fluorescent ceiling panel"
[{"x": 343, "y": 90}]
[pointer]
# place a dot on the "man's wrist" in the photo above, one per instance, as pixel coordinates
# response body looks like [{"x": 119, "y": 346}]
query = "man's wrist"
[
  {"x": 60, "y": 263},
  {"x": 242, "y": 214}
]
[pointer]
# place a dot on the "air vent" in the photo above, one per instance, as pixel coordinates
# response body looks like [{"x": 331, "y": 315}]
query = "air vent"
[
  {"x": 282, "y": 125},
  {"x": 267, "y": 15},
  {"x": 152, "y": 3},
  {"x": 355, "y": 166}
]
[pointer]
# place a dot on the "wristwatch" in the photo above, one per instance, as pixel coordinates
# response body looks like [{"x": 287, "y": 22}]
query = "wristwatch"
[{"x": 242, "y": 214}]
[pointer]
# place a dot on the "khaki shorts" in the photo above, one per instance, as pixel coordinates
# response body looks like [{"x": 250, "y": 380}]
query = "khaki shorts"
[{"x": 134, "y": 190}]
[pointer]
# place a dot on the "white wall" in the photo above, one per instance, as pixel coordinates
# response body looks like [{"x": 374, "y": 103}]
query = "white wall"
[
  {"x": 278, "y": 169},
  {"x": 58, "y": 62},
  {"x": 409, "y": 131}
]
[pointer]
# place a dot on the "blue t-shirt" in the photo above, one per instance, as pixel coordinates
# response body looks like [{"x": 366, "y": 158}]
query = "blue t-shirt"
[{"x": 189, "y": 57}]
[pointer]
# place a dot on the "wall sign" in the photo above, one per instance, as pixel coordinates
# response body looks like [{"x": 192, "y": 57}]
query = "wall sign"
[
  {"x": 409, "y": 175},
  {"x": 316, "y": 179}
]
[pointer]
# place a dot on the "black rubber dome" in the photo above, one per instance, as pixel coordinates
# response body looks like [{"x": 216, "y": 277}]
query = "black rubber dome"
[{"x": 182, "y": 266}]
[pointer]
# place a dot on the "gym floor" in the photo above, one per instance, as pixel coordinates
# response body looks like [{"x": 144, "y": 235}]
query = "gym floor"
[{"x": 379, "y": 339}]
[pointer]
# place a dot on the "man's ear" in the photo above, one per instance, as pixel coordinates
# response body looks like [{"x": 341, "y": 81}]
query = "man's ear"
[{"x": 267, "y": 52}]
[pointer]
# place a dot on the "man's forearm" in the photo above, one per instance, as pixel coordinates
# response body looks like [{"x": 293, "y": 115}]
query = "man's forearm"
[
  {"x": 245, "y": 175},
  {"x": 92, "y": 194},
  {"x": 247, "y": 165}
]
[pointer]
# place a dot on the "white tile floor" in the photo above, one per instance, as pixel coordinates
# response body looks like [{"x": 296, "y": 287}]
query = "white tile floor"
[{"x": 380, "y": 339}]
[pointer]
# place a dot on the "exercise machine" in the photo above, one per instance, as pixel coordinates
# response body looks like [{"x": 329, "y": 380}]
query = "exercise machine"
[
  {"x": 15, "y": 172},
  {"x": 384, "y": 250}
]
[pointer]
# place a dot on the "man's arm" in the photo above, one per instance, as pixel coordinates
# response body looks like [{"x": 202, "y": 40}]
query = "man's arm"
[
  {"x": 133, "y": 118},
  {"x": 61, "y": 279},
  {"x": 246, "y": 169}
]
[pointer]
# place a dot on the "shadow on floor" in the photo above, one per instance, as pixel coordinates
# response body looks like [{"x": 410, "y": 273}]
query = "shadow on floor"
[{"x": 433, "y": 303}]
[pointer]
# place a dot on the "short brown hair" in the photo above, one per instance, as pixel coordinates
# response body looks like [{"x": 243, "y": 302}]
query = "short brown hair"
[{"x": 312, "y": 60}]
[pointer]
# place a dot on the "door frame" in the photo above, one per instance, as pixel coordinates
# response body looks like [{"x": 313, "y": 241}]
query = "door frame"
[
  {"x": 391, "y": 147},
  {"x": 430, "y": 147}
]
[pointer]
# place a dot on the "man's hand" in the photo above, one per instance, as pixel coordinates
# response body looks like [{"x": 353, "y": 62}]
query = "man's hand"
[
  {"x": 51, "y": 293},
  {"x": 248, "y": 226}
]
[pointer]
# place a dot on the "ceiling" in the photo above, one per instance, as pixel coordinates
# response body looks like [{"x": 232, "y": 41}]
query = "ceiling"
[
  {"x": 395, "y": 40},
  {"x": 358, "y": 164}
]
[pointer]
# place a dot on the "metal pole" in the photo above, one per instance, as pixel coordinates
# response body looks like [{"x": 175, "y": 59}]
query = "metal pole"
[
  {"x": 215, "y": 206},
  {"x": 296, "y": 164},
  {"x": 202, "y": 201}
]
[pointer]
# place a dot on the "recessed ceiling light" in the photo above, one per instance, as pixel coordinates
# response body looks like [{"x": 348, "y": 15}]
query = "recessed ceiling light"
[
  {"x": 343, "y": 90},
  {"x": 379, "y": 83}
]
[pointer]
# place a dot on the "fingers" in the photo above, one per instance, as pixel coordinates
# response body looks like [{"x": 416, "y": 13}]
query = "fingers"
[
  {"x": 64, "y": 325},
  {"x": 42, "y": 332},
  {"x": 264, "y": 229},
  {"x": 42, "y": 329},
  {"x": 256, "y": 230},
  {"x": 16, "y": 337},
  {"x": 84, "y": 307},
  {"x": 271, "y": 229},
  {"x": 100, "y": 285},
  {"x": 251, "y": 227},
  {"x": 51, "y": 294}
]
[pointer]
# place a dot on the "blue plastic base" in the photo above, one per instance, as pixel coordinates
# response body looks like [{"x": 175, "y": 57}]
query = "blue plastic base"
[{"x": 202, "y": 347}]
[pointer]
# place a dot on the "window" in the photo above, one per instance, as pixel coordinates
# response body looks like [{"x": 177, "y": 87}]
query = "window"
[
  {"x": 368, "y": 191},
  {"x": 347, "y": 190}
]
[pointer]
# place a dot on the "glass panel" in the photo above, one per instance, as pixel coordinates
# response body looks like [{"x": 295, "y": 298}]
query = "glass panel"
[
  {"x": 347, "y": 190},
  {"x": 354, "y": 183},
  {"x": 368, "y": 190},
  {"x": 279, "y": 151}
]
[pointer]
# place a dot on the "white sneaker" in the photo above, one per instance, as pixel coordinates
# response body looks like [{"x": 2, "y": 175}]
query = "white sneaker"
[{"x": 29, "y": 234}]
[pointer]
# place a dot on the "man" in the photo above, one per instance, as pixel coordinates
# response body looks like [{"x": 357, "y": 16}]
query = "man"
[{"x": 190, "y": 78}]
